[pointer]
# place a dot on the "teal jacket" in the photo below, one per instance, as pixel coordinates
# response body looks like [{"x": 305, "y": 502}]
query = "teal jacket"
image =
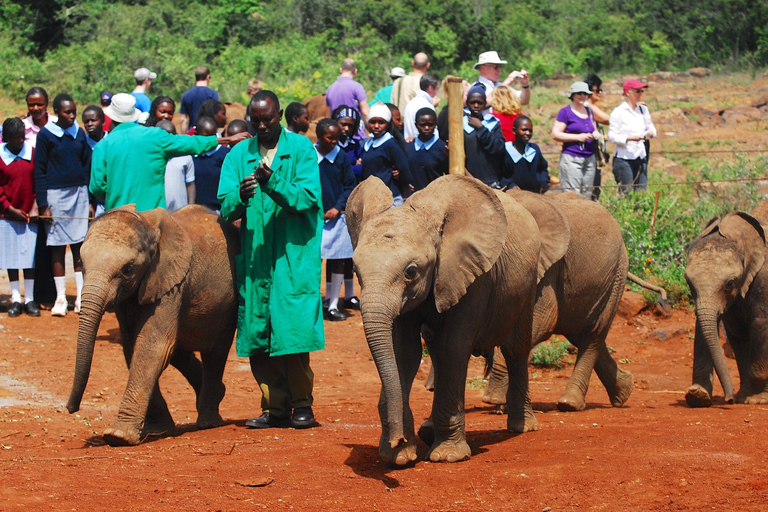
[
  {"x": 278, "y": 269},
  {"x": 129, "y": 165}
]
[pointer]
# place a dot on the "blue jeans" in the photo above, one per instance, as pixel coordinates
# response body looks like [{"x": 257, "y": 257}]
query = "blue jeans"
[{"x": 630, "y": 174}]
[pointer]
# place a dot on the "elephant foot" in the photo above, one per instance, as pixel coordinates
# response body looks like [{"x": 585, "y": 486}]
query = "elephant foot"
[
  {"x": 528, "y": 423},
  {"x": 753, "y": 399},
  {"x": 427, "y": 432},
  {"x": 697, "y": 396},
  {"x": 450, "y": 452},
  {"x": 209, "y": 420},
  {"x": 495, "y": 395},
  {"x": 620, "y": 393},
  {"x": 401, "y": 455},
  {"x": 571, "y": 402},
  {"x": 114, "y": 436}
]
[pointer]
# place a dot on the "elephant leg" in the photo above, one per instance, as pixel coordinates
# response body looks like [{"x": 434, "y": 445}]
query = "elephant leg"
[
  {"x": 496, "y": 392},
  {"x": 407, "y": 344},
  {"x": 520, "y": 417},
  {"x": 213, "y": 389},
  {"x": 699, "y": 394},
  {"x": 573, "y": 398},
  {"x": 158, "y": 419},
  {"x": 190, "y": 367},
  {"x": 752, "y": 360},
  {"x": 151, "y": 354},
  {"x": 617, "y": 381}
]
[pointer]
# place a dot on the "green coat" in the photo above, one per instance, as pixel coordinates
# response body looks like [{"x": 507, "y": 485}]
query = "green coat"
[
  {"x": 278, "y": 269},
  {"x": 129, "y": 165}
]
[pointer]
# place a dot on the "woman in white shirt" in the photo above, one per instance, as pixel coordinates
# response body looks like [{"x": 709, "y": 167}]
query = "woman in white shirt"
[{"x": 629, "y": 127}]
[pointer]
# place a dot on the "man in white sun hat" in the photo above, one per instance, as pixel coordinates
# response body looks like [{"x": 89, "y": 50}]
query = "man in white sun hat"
[
  {"x": 489, "y": 64},
  {"x": 129, "y": 165}
]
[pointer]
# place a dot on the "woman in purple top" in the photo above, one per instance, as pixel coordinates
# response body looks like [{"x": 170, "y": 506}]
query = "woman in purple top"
[{"x": 575, "y": 128}]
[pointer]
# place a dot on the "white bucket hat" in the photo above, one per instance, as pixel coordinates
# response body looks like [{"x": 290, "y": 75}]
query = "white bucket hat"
[
  {"x": 489, "y": 58},
  {"x": 579, "y": 87},
  {"x": 123, "y": 108},
  {"x": 381, "y": 111}
]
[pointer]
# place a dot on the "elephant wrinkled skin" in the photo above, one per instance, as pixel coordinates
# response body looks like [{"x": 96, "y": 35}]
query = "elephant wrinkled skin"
[
  {"x": 457, "y": 259},
  {"x": 729, "y": 282},
  {"x": 170, "y": 279}
]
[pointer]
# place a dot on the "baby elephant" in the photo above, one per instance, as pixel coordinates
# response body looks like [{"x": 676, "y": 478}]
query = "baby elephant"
[
  {"x": 729, "y": 281},
  {"x": 170, "y": 279}
]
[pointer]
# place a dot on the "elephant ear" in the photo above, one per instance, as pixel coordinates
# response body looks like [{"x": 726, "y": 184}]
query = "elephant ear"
[
  {"x": 712, "y": 225},
  {"x": 749, "y": 235},
  {"x": 370, "y": 198},
  {"x": 472, "y": 226},
  {"x": 171, "y": 259},
  {"x": 760, "y": 212},
  {"x": 553, "y": 226}
]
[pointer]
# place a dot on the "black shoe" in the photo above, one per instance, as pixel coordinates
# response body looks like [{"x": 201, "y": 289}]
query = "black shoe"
[
  {"x": 31, "y": 308},
  {"x": 326, "y": 304},
  {"x": 267, "y": 420},
  {"x": 14, "y": 310},
  {"x": 303, "y": 418},
  {"x": 352, "y": 303},
  {"x": 334, "y": 315}
]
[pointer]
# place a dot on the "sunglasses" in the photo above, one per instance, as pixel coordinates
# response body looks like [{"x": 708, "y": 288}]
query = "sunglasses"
[
  {"x": 638, "y": 91},
  {"x": 597, "y": 90},
  {"x": 494, "y": 66}
]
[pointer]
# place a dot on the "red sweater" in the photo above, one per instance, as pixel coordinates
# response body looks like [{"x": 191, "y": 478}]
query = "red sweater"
[
  {"x": 506, "y": 121},
  {"x": 17, "y": 184}
]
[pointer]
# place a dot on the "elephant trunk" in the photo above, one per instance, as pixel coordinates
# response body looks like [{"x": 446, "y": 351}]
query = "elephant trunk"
[
  {"x": 377, "y": 323},
  {"x": 93, "y": 303},
  {"x": 706, "y": 323}
]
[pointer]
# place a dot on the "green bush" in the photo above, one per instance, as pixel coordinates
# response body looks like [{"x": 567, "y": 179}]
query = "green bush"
[{"x": 550, "y": 354}]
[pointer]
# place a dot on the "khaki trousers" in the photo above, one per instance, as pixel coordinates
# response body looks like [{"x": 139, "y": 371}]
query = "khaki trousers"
[{"x": 286, "y": 382}]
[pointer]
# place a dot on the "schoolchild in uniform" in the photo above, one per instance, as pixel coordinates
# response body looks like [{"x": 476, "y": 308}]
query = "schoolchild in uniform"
[
  {"x": 483, "y": 140},
  {"x": 383, "y": 157},
  {"x": 17, "y": 201},
  {"x": 93, "y": 122},
  {"x": 349, "y": 124},
  {"x": 337, "y": 181},
  {"x": 426, "y": 153},
  {"x": 527, "y": 168},
  {"x": 208, "y": 167},
  {"x": 62, "y": 172}
]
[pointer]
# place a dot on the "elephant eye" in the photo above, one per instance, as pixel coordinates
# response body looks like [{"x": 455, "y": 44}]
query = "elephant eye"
[
  {"x": 729, "y": 284},
  {"x": 127, "y": 269},
  {"x": 411, "y": 271}
]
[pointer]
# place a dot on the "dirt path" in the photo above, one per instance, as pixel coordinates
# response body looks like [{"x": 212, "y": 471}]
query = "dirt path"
[{"x": 653, "y": 454}]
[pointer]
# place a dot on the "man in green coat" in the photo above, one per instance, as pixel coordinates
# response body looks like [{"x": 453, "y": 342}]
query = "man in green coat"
[
  {"x": 128, "y": 166},
  {"x": 272, "y": 183}
]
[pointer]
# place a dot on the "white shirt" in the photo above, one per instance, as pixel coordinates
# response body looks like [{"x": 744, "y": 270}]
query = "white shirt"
[
  {"x": 421, "y": 100},
  {"x": 489, "y": 87},
  {"x": 625, "y": 123},
  {"x": 179, "y": 171}
]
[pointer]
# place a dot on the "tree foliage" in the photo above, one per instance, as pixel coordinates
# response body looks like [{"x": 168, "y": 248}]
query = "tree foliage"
[{"x": 295, "y": 46}]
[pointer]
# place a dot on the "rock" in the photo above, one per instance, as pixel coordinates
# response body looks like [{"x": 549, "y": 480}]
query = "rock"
[
  {"x": 549, "y": 83},
  {"x": 661, "y": 75},
  {"x": 741, "y": 114},
  {"x": 760, "y": 101},
  {"x": 632, "y": 303},
  {"x": 667, "y": 333},
  {"x": 705, "y": 110},
  {"x": 699, "y": 72}
]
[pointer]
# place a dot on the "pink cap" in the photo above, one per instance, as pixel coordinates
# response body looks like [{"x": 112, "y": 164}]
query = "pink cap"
[{"x": 633, "y": 84}]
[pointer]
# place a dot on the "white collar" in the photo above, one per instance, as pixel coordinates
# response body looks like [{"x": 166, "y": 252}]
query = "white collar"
[
  {"x": 211, "y": 152},
  {"x": 528, "y": 154},
  {"x": 418, "y": 144},
  {"x": 488, "y": 121},
  {"x": 59, "y": 132},
  {"x": 8, "y": 157},
  {"x": 370, "y": 141},
  {"x": 331, "y": 156}
]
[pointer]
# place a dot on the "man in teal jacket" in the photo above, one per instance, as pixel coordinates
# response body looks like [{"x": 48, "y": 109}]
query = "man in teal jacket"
[
  {"x": 128, "y": 166},
  {"x": 272, "y": 183}
]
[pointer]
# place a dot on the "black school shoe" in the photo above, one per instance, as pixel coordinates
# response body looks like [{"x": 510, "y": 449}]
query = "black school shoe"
[
  {"x": 352, "y": 303},
  {"x": 14, "y": 310},
  {"x": 267, "y": 420},
  {"x": 32, "y": 308},
  {"x": 303, "y": 417},
  {"x": 334, "y": 315}
]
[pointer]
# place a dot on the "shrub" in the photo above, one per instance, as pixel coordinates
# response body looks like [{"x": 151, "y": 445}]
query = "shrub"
[{"x": 550, "y": 354}]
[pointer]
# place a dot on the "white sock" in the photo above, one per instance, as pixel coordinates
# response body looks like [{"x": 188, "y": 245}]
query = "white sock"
[
  {"x": 29, "y": 290},
  {"x": 15, "y": 291},
  {"x": 60, "y": 283},
  {"x": 336, "y": 281},
  {"x": 79, "y": 284},
  {"x": 349, "y": 288}
]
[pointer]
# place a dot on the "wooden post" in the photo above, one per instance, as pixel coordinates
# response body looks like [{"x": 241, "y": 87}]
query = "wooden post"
[
  {"x": 455, "y": 126},
  {"x": 653, "y": 215}
]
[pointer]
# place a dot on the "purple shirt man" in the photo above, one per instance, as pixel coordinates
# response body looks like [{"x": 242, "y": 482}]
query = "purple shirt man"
[{"x": 346, "y": 91}]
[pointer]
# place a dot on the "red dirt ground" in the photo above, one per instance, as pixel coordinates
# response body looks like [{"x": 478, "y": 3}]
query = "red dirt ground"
[{"x": 653, "y": 454}]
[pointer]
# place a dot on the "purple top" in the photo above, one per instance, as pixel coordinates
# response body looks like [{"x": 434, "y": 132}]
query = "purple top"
[
  {"x": 576, "y": 124},
  {"x": 345, "y": 91}
]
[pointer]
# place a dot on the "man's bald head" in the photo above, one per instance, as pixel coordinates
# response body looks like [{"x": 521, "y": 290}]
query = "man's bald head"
[
  {"x": 420, "y": 61},
  {"x": 349, "y": 65}
]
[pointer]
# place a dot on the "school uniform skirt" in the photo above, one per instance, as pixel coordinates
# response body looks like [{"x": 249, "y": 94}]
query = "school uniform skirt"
[
  {"x": 69, "y": 209},
  {"x": 17, "y": 244},
  {"x": 336, "y": 244}
]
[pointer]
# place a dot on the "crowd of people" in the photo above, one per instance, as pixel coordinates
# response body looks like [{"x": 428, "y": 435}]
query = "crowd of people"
[{"x": 287, "y": 195}]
